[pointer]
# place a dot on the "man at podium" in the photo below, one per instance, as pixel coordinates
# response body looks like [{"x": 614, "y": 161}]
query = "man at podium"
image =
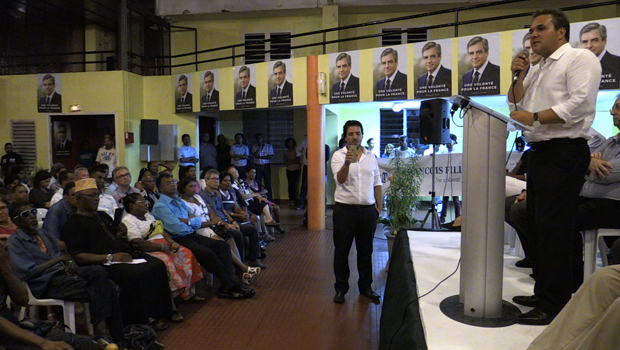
[{"x": 558, "y": 99}]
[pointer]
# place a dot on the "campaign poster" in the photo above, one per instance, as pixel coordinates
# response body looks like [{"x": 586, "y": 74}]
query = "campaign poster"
[
  {"x": 48, "y": 94},
  {"x": 245, "y": 86},
  {"x": 601, "y": 37},
  {"x": 344, "y": 77},
  {"x": 389, "y": 81},
  {"x": 62, "y": 139},
  {"x": 279, "y": 83},
  {"x": 209, "y": 93},
  {"x": 479, "y": 72},
  {"x": 433, "y": 68},
  {"x": 183, "y": 102}
]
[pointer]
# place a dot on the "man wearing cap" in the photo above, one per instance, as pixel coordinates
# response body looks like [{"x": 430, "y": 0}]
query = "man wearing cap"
[
  {"x": 92, "y": 240},
  {"x": 49, "y": 273}
]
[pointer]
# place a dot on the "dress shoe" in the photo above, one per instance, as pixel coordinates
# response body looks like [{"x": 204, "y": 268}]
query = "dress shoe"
[
  {"x": 257, "y": 263},
  {"x": 230, "y": 294},
  {"x": 523, "y": 263},
  {"x": 247, "y": 291},
  {"x": 526, "y": 300},
  {"x": 535, "y": 317},
  {"x": 339, "y": 298},
  {"x": 370, "y": 294}
]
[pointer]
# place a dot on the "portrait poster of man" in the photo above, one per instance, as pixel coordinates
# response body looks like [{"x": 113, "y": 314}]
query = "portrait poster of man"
[
  {"x": 280, "y": 86},
  {"x": 479, "y": 71},
  {"x": 390, "y": 73},
  {"x": 433, "y": 68},
  {"x": 48, "y": 94},
  {"x": 183, "y": 102},
  {"x": 601, "y": 38},
  {"x": 344, "y": 77},
  {"x": 245, "y": 86},
  {"x": 209, "y": 91},
  {"x": 62, "y": 139}
]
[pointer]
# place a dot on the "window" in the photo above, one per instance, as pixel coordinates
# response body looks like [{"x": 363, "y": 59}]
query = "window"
[
  {"x": 276, "y": 125},
  {"x": 255, "y": 47},
  {"x": 400, "y": 36},
  {"x": 392, "y": 126},
  {"x": 24, "y": 141}
]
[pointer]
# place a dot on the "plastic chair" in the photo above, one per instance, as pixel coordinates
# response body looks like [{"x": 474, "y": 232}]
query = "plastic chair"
[
  {"x": 592, "y": 239},
  {"x": 68, "y": 308},
  {"x": 41, "y": 212}
]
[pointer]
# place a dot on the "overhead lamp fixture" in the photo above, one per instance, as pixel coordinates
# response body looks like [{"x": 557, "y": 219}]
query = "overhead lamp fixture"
[
  {"x": 75, "y": 108},
  {"x": 399, "y": 106}
]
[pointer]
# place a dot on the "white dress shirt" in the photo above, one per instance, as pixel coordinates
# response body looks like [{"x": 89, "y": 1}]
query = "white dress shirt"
[
  {"x": 567, "y": 82},
  {"x": 364, "y": 176}
]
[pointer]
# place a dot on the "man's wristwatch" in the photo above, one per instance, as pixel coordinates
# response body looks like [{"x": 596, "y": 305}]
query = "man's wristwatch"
[
  {"x": 536, "y": 122},
  {"x": 108, "y": 259}
]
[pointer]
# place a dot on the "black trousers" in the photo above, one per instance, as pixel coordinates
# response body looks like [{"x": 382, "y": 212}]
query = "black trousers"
[
  {"x": 90, "y": 284},
  {"x": 303, "y": 194},
  {"x": 213, "y": 255},
  {"x": 353, "y": 222},
  {"x": 292, "y": 176},
  {"x": 263, "y": 173},
  {"x": 556, "y": 171},
  {"x": 144, "y": 289}
]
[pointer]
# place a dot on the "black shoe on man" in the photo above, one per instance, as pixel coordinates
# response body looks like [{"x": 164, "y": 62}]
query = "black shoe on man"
[
  {"x": 339, "y": 298},
  {"x": 370, "y": 294},
  {"x": 535, "y": 317},
  {"x": 526, "y": 300}
]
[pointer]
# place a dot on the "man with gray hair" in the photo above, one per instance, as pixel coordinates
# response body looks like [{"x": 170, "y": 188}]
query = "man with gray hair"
[
  {"x": 593, "y": 37},
  {"x": 483, "y": 78},
  {"x": 246, "y": 97},
  {"x": 184, "y": 102},
  {"x": 122, "y": 178},
  {"x": 282, "y": 93},
  {"x": 394, "y": 84},
  {"x": 51, "y": 101},
  {"x": 437, "y": 80}
]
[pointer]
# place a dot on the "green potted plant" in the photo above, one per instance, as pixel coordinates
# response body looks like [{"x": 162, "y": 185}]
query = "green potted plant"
[{"x": 402, "y": 196}]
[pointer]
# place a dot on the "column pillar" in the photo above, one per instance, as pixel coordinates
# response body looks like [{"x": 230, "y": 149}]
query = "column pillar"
[{"x": 316, "y": 149}]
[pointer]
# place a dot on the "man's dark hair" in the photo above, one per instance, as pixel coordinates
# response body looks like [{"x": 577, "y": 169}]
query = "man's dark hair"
[
  {"x": 184, "y": 135},
  {"x": 183, "y": 183},
  {"x": 8, "y": 144},
  {"x": 16, "y": 208},
  {"x": 209, "y": 73},
  {"x": 49, "y": 76},
  {"x": 478, "y": 39},
  {"x": 351, "y": 123},
  {"x": 343, "y": 56},
  {"x": 244, "y": 69},
  {"x": 14, "y": 188},
  {"x": 161, "y": 178},
  {"x": 183, "y": 77},
  {"x": 559, "y": 19},
  {"x": 40, "y": 176},
  {"x": 429, "y": 45},
  {"x": 131, "y": 198},
  {"x": 224, "y": 174},
  {"x": 594, "y": 26},
  {"x": 64, "y": 175},
  {"x": 68, "y": 188},
  {"x": 390, "y": 51},
  {"x": 280, "y": 64}
]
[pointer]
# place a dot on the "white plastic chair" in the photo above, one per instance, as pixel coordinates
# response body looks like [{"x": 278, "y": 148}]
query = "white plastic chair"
[
  {"x": 592, "y": 239},
  {"x": 68, "y": 308},
  {"x": 41, "y": 212}
]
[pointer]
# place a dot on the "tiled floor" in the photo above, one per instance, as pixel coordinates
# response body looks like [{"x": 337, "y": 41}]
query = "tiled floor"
[{"x": 293, "y": 308}]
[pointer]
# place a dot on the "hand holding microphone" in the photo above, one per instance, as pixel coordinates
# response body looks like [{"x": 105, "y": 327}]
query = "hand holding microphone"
[{"x": 520, "y": 64}]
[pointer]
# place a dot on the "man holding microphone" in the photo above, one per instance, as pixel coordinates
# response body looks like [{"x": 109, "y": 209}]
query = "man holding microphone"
[
  {"x": 358, "y": 203},
  {"x": 558, "y": 99}
]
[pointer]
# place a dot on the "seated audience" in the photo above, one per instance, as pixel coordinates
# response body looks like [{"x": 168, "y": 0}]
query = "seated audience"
[
  {"x": 189, "y": 171},
  {"x": 590, "y": 319},
  {"x": 92, "y": 239},
  {"x": 37, "y": 260},
  {"x": 19, "y": 193},
  {"x": 64, "y": 177},
  {"x": 211, "y": 196},
  {"x": 149, "y": 190},
  {"x": 7, "y": 227},
  {"x": 81, "y": 173},
  {"x": 198, "y": 208},
  {"x": 256, "y": 187},
  {"x": 107, "y": 203},
  {"x": 146, "y": 234},
  {"x": 14, "y": 337},
  {"x": 55, "y": 181},
  {"x": 59, "y": 213},
  {"x": 153, "y": 167},
  {"x": 40, "y": 196},
  {"x": 214, "y": 255},
  {"x": 122, "y": 178}
]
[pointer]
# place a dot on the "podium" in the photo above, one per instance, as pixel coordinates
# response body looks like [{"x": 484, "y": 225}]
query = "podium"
[{"x": 482, "y": 239}]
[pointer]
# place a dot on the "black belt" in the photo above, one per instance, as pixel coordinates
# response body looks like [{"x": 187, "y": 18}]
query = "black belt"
[
  {"x": 357, "y": 206},
  {"x": 543, "y": 145}
]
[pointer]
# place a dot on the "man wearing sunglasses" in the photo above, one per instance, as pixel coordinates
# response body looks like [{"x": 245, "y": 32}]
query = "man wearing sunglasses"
[{"x": 49, "y": 273}]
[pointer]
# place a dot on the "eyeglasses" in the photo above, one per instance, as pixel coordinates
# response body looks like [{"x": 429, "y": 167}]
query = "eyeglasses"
[
  {"x": 123, "y": 175},
  {"x": 616, "y": 108},
  {"x": 24, "y": 214},
  {"x": 214, "y": 178}
]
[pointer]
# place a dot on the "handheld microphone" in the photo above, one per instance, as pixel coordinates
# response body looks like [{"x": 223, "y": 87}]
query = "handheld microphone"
[{"x": 518, "y": 72}]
